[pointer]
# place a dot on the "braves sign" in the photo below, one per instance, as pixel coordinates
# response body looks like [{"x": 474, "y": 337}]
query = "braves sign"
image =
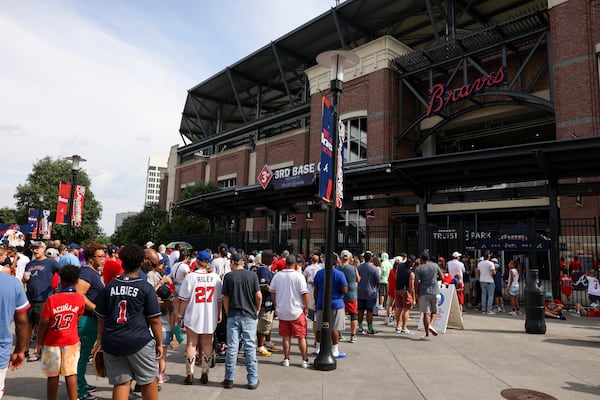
[{"x": 441, "y": 97}]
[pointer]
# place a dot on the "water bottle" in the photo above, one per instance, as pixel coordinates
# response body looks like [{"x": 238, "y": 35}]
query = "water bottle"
[{"x": 535, "y": 321}]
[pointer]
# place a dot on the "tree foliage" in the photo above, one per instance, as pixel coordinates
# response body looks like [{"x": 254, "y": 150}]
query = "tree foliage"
[
  {"x": 44, "y": 180},
  {"x": 152, "y": 224},
  {"x": 8, "y": 215}
]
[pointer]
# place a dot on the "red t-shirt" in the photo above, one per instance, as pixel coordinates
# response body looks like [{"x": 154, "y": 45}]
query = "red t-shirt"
[
  {"x": 63, "y": 310},
  {"x": 447, "y": 278},
  {"x": 111, "y": 269},
  {"x": 575, "y": 265},
  {"x": 566, "y": 284},
  {"x": 460, "y": 292}
]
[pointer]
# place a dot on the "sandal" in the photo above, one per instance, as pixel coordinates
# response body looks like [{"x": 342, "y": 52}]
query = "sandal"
[{"x": 33, "y": 357}]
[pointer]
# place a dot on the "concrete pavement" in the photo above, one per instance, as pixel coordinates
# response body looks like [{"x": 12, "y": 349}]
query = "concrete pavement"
[{"x": 491, "y": 354}]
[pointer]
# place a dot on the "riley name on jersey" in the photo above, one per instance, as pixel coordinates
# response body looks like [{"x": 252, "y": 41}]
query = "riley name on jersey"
[
  {"x": 124, "y": 291},
  {"x": 204, "y": 278}
]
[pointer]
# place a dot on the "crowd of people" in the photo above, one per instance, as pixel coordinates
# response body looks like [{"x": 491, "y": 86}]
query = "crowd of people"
[{"x": 133, "y": 303}]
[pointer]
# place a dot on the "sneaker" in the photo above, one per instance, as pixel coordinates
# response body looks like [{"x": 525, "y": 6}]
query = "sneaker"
[
  {"x": 263, "y": 352},
  {"x": 399, "y": 330},
  {"x": 562, "y": 318},
  {"x": 272, "y": 347},
  {"x": 391, "y": 319},
  {"x": 253, "y": 386},
  {"x": 88, "y": 396},
  {"x": 371, "y": 332},
  {"x": 341, "y": 354},
  {"x": 433, "y": 331},
  {"x": 340, "y": 336},
  {"x": 285, "y": 363},
  {"x": 512, "y": 313},
  {"x": 490, "y": 312},
  {"x": 426, "y": 338},
  {"x": 519, "y": 312},
  {"x": 353, "y": 339},
  {"x": 406, "y": 332},
  {"x": 361, "y": 330},
  {"x": 90, "y": 388},
  {"x": 227, "y": 383},
  {"x": 189, "y": 380},
  {"x": 306, "y": 364}
]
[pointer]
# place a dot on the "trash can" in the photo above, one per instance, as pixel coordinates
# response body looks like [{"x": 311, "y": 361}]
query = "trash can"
[{"x": 535, "y": 320}]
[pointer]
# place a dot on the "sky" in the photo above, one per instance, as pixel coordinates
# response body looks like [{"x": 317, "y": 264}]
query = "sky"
[{"x": 107, "y": 80}]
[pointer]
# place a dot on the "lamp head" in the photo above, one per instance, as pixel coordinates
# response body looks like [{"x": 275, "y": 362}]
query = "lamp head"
[{"x": 75, "y": 160}]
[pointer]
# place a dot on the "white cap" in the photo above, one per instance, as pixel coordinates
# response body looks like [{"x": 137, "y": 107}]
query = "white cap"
[
  {"x": 494, "y": 260},
  {"x": 149, "y": 244},
  {"x": 345, "y": 254},
  {"x": 250, "y": 257},
  {"x": 456, "y": 254}
]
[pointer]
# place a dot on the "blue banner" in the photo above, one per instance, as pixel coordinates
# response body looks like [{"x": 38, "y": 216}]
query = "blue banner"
[
  {"x": 326, "y": 173},
  {"x": 32, "y": 223}
]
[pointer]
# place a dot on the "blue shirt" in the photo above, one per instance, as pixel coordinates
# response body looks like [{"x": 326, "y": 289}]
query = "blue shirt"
[
  {"x": 350, "y": 274},
  {"x": 39, "y": 286},
  {"x": 91, "y": 276},
  {"x": 126, "y": 304},
  {"x": 338, "y": 280},
  {"x": 265, "y": 276},
  {"x": 12, "y": 300},
  {"x": 368, "y": 287},
  {"x": 69, "y": 259}
]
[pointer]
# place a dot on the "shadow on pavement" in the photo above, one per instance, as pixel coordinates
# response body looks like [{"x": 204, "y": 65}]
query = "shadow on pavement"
[
  {"x": 580, "y": 387},
  {"x": 575, "y": 342}
]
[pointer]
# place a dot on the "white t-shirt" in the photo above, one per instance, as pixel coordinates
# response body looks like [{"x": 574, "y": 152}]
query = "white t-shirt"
[
  {"x": 202, "y": 290},
  {"x": 456, "y": 267},
  {"x": 309, "y": 274},
  {"x": 515, "y": 281},
  {"x": 288, "y": 285},
  {"x": 179, "y": 271},
  {"x": 485, "y": 269},
  {"x": 21, "y": 264},
  {"x": 593, "y": 286}
]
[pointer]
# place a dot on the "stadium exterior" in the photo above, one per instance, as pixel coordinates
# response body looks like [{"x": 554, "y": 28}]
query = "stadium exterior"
[{"x": 469, "y": 126}]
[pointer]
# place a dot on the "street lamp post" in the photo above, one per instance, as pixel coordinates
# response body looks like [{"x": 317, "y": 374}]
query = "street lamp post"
[
  {"x": 336, "y": 61},
  {"x": 75, "y": 167},
  {"x": 39, "y": 232}
]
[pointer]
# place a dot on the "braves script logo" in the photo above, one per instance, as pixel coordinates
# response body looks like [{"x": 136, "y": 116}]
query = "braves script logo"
[{"x": 440, "y": 97}]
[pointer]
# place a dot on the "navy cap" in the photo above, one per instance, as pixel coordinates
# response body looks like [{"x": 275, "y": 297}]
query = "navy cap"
[
  {"x": 203, "y": 256},
  {"x": 425, "y": 255},
  {"x": 236, "y": 258}
]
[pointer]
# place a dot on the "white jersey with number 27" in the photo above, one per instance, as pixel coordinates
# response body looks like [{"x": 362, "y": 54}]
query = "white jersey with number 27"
[{"x": 202, "y": 290}]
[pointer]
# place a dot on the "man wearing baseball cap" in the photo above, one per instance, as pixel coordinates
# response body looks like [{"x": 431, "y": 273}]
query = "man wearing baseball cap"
[
  {"x": 72, "y": 256},
  {"x": 455, "y": 266}
]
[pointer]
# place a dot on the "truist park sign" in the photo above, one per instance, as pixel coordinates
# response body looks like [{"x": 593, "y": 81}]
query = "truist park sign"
[{"x": 441, "y": 97}]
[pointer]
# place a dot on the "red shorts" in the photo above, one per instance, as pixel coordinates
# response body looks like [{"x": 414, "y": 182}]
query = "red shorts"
[
  {"x": 296, "y": 328},
  {"x": 350, "y": 307},
  {"x": 404, "y": 299}
]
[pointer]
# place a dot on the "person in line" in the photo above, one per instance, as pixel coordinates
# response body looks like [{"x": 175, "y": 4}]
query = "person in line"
[
  {"x": 513, "y": 287},
  {"x": 485, "y": 274},
  {"x": 367, "y": 292},
  {"x": 289, "y": 293},
  {"x": 13, "y": 306},
  {"x": 38, "y": 276},
  {"x": 267, "y": 310},
  {"x": 201, "y": 303},
  {"x": 385, "y": 268},
  {"x": 339, "y": 287},
  {"x": 58, "y": 340},
  {"x": 89, "y": 285},
  {"x": 129, "y": 329},
  {"x": 427, "y": 276},
  {"x": 350, "y": 302},
  {"x": 498, "y": 299},
  {"x": 309, "y": 275},
  {"x": 405, "y": 294},
  {"x": 241, "y": 301}
]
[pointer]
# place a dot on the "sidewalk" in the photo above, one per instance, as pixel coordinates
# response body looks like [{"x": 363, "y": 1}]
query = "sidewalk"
[{"x": 491, "y": 354}]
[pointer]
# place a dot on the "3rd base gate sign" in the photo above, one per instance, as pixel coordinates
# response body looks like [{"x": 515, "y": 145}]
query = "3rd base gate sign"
[{"x": 265, "y": 176}]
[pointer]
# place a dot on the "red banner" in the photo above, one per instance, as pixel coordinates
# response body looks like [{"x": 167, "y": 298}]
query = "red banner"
[{"x": 64, "y": 190}]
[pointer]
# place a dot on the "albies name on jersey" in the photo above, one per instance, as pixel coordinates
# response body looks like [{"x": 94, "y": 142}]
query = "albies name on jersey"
[{"x": 124, "y": 291}]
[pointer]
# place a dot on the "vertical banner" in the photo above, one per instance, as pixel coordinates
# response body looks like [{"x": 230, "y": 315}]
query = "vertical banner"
[
  {"x": 64, "y": 190},
  {"x": 339, "y": 192},
  {"x": 78, "y": 198},
  {"x": 326, "y": 174},
  {"x": 32, "y": 222},
  {"x": 44, "y": 225}
]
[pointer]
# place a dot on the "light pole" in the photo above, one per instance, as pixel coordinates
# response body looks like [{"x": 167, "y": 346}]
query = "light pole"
[
  {"x": 75, "y": 167},
  {"x": 336, "y": 61}
]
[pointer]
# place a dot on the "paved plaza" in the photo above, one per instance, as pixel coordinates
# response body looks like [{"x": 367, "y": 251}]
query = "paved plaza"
[{"x": 491, "y": 354}]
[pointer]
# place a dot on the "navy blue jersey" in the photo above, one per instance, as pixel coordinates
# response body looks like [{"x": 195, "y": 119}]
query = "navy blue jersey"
[{"x": 125, "y": 306}]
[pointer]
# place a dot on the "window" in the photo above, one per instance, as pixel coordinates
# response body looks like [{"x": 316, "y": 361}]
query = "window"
[
  {"x": 225, "y": 183},
  {"x": 356, "y": 140}
]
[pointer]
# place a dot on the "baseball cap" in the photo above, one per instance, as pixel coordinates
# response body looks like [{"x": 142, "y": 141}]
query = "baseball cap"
[
  {"x": 73, "y": 246},
  {"x": 345, "y": 254},
  {"x": 37, "y": 243},
  {"x": 163, "y": 292},
  {"x": 52, "y": 252},
  {"x": 164, "y": 260},
  {"x": 411, "y": 257},
  {"x": 425, "y": 254},
  {"x": 203, "y": 256},
  {"x": 149, "y": 244},
  {"x": 548, "y": 295},
  {"x": 494, "y": 260},
  {"x": 442, "y": 259},
  {"x": 250, "y": 257},
  {"x": 456, "y": 254},
  {"x": 236, "y": 258}
]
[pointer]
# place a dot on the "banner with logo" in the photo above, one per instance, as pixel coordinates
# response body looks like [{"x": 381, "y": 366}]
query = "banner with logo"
[
  {"x": 12, "y": 234},
  {"x": 326, "y": 174},
  {"x": 339, "y": 193},
  {"x": 78, "y": 198},
  {"x": 44, "y": 225},
  {"x": 64, "y": 190},
  {"x": 32, "y": 222}
]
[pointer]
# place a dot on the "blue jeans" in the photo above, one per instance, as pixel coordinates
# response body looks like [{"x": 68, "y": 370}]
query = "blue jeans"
[
  {"x": 88, "y": 332},
  {"x": 487, "y": 295},
  {"x": 244, "y": 328}
]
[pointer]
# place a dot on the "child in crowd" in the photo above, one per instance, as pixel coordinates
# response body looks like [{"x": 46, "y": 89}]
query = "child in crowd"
[
  {"x": 566, "y": 286},
  {"x": 58, "y": 339},
  {"x": 168, "y": 319},
  {"x": 460, "y": 291}
]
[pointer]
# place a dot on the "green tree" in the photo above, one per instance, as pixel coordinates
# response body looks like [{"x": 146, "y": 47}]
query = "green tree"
[
  {"x": 44, "y": 180},
  {"x": 8, "y": 215}
]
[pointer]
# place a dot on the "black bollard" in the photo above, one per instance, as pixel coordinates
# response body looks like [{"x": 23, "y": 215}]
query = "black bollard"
[{"x": 535, "y": 320}]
